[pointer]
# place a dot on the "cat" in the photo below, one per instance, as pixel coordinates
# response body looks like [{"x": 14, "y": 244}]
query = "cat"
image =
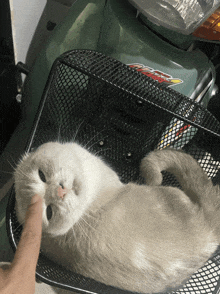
[{"x": 143, "y": 238}]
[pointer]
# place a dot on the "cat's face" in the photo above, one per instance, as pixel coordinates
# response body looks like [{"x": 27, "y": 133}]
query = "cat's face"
[{"x": 54, "y": 172}]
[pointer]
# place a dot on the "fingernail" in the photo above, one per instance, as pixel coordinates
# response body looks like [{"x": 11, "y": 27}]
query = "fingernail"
[{"x": 35, "y": 198}]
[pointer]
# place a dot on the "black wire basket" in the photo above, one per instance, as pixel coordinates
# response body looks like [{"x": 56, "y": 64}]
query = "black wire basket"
[{"x": 120, "y": 114}]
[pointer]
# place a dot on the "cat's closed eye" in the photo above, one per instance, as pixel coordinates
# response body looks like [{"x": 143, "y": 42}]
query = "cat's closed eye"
[
  {"x": 49, "y": 212},
  {"x": 42, "y": 176}
]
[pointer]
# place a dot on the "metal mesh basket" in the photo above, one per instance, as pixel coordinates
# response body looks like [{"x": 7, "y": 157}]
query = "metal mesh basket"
[{"x": 121, "y": 115}]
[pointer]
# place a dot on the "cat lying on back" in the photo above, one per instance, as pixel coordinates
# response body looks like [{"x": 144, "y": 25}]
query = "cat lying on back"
[{"x": 143, "y": 238}]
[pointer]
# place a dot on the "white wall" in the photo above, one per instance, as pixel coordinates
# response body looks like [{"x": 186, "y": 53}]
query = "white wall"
[{"x": 25, "y": 15}]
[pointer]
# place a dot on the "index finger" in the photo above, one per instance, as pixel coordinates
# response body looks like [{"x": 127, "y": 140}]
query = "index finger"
[{"x": 27, "y": 252}]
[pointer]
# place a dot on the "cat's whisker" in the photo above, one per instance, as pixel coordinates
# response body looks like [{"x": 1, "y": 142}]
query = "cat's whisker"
[
  {"x": 58, "y": 137},
  {"x": 90, "y": 147},
  {"x": 13, "y": 160},
  {"x": 82, "y": 230},
  {"x": 5, "y": 172},
  {"x": 87, "y": 223},
  {"x": 86, "y": 145},
  {"x": 74, "y": 233},
  {"x": 24, "y": 175},
  {"x": 89, "y": 215},
  {"x": 11, "y": 165},
  {"x": 59, "y": 132},
  {"x": 21, "y": 157},
  {"x": 21, "y": 172},
  {"x": 19, "y": 181},
  {"x": 77, "y": 130},
  {"x": 102, "y": 150},
  {"x": 98, "y": 141},
  {"x": 18, "y": 227}
]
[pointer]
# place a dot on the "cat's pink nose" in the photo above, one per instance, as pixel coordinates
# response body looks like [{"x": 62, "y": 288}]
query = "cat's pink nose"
[{"x": 61, "y": 192}]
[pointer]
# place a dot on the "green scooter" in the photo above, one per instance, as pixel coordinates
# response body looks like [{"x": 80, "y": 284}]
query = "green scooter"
[{"x": 168, "y": 52}]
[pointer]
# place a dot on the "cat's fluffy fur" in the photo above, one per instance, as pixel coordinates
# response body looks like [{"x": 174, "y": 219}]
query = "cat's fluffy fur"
[{"x": 145, "y": 238}]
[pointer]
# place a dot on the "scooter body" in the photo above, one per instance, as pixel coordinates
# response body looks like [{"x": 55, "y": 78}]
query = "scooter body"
[{"x": 113, "y": 28}]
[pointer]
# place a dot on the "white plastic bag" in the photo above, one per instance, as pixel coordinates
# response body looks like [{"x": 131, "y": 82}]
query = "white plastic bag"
[{"x": 183, "y": 16}]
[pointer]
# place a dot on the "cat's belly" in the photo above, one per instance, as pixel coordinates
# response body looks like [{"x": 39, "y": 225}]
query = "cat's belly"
[{"x": 140, "y": 242}]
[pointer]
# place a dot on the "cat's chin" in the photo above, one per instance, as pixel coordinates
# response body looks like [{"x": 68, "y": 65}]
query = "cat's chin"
[
  {"x": 53, "y": 234},
  {"x": 56, "y": 233},
  {"x": 59, "y": 229}
]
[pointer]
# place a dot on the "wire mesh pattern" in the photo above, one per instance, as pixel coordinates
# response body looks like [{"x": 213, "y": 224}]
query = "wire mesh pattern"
[
  {"x": 121, "y": 115},
  {"x": 204, "y": 281}
]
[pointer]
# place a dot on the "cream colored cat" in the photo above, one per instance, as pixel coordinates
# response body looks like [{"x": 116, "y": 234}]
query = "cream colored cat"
[{"x": 144, "y": 238}]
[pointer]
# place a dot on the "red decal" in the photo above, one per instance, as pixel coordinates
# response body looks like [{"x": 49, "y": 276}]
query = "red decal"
[
  {"x": 156, "y": 75},
  {"x": 182, "y": 130}
]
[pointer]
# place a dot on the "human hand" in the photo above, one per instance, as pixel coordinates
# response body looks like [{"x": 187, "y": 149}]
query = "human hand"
[{"x": 19, "y": 278}]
